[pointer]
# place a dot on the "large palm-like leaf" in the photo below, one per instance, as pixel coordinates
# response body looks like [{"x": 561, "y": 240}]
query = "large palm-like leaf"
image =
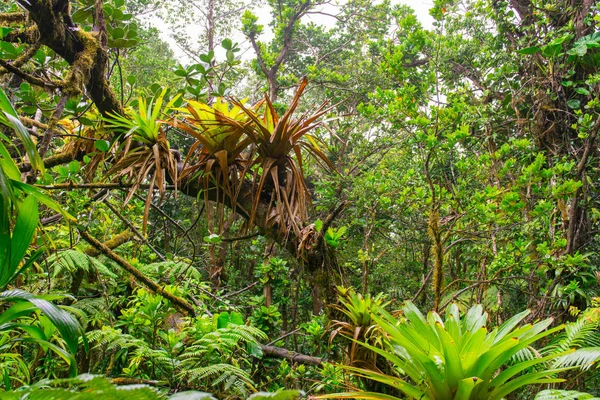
[
  {"x": 15, "y": 242},
  {"x": 11, "y": 187},
  {"x": 26, "y": 303},
  {"x": 457, "y": 357}
]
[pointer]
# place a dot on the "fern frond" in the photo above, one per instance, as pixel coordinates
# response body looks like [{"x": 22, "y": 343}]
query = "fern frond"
[
  {"x": 171, "y": 269},
  {"x": 578, "y": 334},
  {"x": 554, "y": 394},
  {"x": 582, "y": 358},
  {"x": 73, "y": 260},
  {"x": 218, "y": 373},
  {"x": 112, "y": 339},
  {"x": 94, "y": 308},
  {"x": 525, "y": 354}
]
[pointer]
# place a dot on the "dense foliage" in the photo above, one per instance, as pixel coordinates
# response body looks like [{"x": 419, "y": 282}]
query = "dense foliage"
[{"x": 244, "y": 214}]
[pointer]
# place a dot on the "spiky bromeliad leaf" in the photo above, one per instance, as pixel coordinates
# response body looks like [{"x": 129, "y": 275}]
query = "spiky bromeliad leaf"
[
  {"x": 221, "y": 156},
  {"x": 237, "y": 141},
  {"x": 277, "y": 140},
  {"x": 154, "y": 158},
  {"x": 458, "y": 358}
]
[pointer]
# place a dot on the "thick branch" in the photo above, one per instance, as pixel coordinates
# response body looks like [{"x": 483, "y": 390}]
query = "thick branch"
[
  {"x": 278, "y": 352},
  {"x": 26, "y": 77},
  {"x": 113, "y": 243},
  {"x": 288, "y": 35},
  {"x": 80, "y": 49},
  {"x": 179, "y": 303}
]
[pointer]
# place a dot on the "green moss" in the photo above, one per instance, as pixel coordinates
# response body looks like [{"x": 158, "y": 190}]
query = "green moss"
[
  {"x": 83, "y": 64},
  {"x": 12, "y": 18}
]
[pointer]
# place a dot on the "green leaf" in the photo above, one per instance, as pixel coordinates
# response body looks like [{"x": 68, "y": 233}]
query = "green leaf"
[
  {"x": 66, "y": 324},
  {"x": 227, "y": 44},
  {"x": 579, "y": 50},
  {"x": 101, "y": 145},
  {"x": 82, "y": 15},
  {"x": 318, "y": 225},
  {"x": 213, "y": 238},
  {"x": 74, "y": 167},
  {"x": 181, "y": 72},
  {"x": 574, "y": 103},
  {"x": 223, "y": 320},
  {"x": 205, "y": 58},
  {"x": 529, "y": 50},
  {"x": 255, "y": 350},
  {"x": 551, "y": 50},
  {"x": 230, "y": 56},
  {"x": 42, "y": 198},
  {"x": 236, "y": 318},
  {"x": 5, "y": 31},
  {"x": 23, "y": 233},
  {"x": 10, "y": 117},
  {"x": 118, "y": 33}
]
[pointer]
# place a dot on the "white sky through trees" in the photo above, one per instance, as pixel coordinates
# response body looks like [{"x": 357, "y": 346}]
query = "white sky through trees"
[{"x": 421, "y": 8}]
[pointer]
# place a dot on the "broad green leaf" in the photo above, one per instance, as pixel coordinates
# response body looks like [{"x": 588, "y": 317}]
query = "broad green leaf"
[
  {"x": 68, "y": 326},
  {"x": 529, "y": 50},
  {"x": 23, "y": 232}
]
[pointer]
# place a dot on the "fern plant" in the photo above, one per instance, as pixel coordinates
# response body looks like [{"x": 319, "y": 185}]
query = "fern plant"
[
  {"x": 90, "y": 387},
  {"x": 72, "y": 260},
  {"x": 93, "y": 387},
  {"x": 218, "y": 338},
  {"x": 184, "y": 353}
]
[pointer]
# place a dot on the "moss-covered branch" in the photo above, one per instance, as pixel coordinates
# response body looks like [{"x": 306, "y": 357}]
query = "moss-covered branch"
[
  {"x": 12, "y": 18},
  {"x": 179, "y": 303},
  {"x": 82, "y": 50}
]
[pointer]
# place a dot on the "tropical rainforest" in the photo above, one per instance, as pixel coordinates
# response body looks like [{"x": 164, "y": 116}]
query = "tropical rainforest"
[{"x": 229, "y": 199}]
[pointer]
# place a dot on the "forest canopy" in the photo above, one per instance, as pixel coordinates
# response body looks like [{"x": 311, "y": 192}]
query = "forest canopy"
[{"x": 299, "y": 198}]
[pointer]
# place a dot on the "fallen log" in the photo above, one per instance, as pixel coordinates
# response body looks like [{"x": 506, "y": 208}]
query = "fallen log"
[{"x": 279, "y": 352}]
